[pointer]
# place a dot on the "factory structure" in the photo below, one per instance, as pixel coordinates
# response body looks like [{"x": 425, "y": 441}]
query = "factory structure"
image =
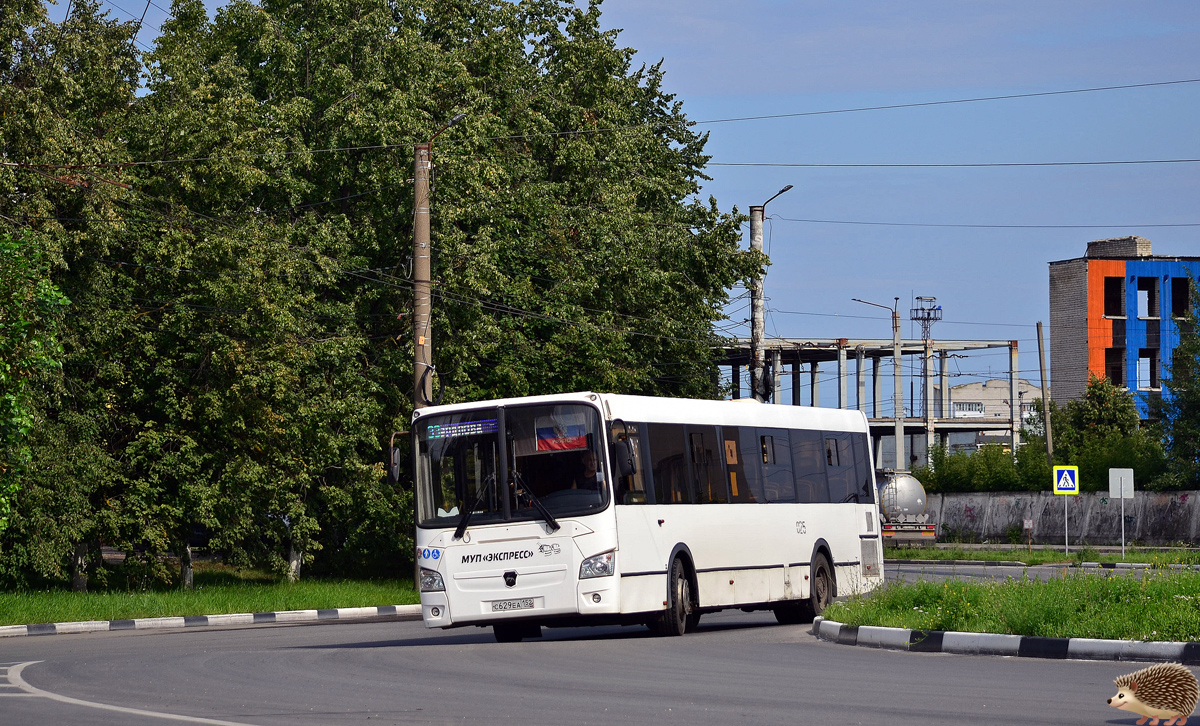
[
  {"x": 934, "y": 413},
  {"x": 1113, "y": 313}
]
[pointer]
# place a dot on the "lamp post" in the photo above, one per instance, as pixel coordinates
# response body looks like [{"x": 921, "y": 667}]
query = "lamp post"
[
  {"x": 422, "y": 322},
  {"x": 898, "y": 414},
  {"x": 757, "y": 356}
]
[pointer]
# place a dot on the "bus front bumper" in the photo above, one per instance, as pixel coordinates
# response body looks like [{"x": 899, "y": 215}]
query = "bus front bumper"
[{"x": 596, "y": 596}]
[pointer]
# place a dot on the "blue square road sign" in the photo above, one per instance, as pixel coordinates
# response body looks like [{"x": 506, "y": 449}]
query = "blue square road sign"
[{"x": 1066, "y": 480}]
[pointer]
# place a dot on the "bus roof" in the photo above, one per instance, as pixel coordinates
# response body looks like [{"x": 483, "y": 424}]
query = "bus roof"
[{"x": 653, "y": 409}]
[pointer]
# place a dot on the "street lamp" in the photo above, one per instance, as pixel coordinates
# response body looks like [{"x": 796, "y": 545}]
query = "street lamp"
[
  {"x": 898, "y": 414},
  {"x": 422, "y": 322},
  {"x": 757, "y": 355}
]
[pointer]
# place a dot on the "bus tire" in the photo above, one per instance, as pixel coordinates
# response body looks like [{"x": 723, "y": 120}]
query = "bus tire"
[
  {"x": 821, "y": 586},
  {"x": 679, "y": 612}
]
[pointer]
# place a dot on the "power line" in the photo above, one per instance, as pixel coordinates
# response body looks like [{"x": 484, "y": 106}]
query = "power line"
[
  {"x": 138, "y": 24},
  {"x": 652, "y": 124},
  {"x": 986, "y": 226},
  {"x": 978, "y": 99},
  {"x": 956, "y": 165}
]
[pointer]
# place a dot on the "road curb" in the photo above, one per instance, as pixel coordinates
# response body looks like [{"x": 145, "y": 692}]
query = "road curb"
[
  {"x": 1021, "y": 646},
  {"x": 1016, "y": 563},
  {"x": 1135, "y": 566},
  {"x": 982, "y": 563},
  {"x": 393, "y": 612}
]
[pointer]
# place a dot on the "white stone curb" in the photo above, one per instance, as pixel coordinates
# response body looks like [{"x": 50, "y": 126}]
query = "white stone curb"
[
  {"x": 394, "y": 612},
  {"x": 1024, "y": 646}
]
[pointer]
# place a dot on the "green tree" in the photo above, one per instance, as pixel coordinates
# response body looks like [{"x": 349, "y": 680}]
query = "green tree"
[
  {"x": 239, "y": 345},
  {"x": 1180, "y": 411},
  {"x": 63, "y": 90},
  {"x": 991, "y": 468},
  {"x": 1100, "y": 431},
  {"x": 31, "y": 308}
]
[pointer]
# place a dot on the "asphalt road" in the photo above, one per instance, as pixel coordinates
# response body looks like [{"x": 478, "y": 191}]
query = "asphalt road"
[{"x": 739, "y": 668}]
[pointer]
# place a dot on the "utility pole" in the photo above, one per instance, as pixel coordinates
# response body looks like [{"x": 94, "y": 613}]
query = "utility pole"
[
  {"x": 926, "y": 313},
  {"x": 898, "y": 394},
  {"x": 757, "y": 355},
  {"x": 897, "y": 382},
  {"x": 422, "y": 321},
  {"x": 1046, "y": 405}
]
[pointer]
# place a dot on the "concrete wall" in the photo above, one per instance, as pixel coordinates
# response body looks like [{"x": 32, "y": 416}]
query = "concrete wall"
[{"x": 1150, "y": 518}]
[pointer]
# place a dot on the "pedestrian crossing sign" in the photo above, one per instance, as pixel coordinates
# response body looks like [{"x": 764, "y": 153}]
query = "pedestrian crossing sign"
[{"x": 1066, "y": 480}]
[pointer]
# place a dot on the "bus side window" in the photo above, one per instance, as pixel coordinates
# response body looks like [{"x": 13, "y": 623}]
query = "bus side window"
[
  {"x": 808, "y": 458},
  {"x": 707, "y": 471},
  {"x": 839, "y": 468},
  {"x": 862, "y": 469},
  {"x": 778, "y": 484},
  {"x": 748, "y": 473},
  {"x": 630, "y": 489},
  {"x": 668, "y": 462},
  {"x": 735, "y": 465},
  {"x": 742, "y": 456}
]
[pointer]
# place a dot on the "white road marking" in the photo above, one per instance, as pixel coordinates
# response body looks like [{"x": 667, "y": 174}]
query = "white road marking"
[{"x": 15, "y": 679}]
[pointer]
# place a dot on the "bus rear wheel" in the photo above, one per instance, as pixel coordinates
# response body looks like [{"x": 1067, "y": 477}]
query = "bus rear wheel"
[
  {"x": 820, "y": 594},
  {"x": 822, "y": 586},
  {"x": 680, "y": 612}
]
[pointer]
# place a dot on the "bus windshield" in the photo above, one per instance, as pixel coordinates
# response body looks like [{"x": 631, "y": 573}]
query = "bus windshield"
[{"x": 553, "y": 457}]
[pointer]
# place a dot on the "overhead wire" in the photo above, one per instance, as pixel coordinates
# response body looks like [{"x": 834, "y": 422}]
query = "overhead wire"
[
  {"x": 977, "y": 99},
  {"x": 990, "y": 226},
  {"x": 873, "y": 165}
]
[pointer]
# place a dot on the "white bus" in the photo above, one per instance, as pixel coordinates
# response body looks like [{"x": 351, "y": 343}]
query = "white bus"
[{"x": 631, "y": 509}]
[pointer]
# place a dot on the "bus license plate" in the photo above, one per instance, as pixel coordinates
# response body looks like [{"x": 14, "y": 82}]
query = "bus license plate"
[{"x": 503, "y": 605}]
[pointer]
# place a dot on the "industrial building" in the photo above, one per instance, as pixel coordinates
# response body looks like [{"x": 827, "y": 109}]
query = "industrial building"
[
  {"x": 927, "y": 417},
  {"x": 1115, "y": 313}
]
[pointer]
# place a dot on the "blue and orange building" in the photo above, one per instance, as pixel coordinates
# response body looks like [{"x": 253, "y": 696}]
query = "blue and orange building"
[{"x": 1116, "y": 313}]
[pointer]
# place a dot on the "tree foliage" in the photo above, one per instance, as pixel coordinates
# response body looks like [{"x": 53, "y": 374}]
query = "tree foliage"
[
  {"x": 1180, "y": 411},
  {"x": 1100, "y": 431},
  {"x": 30, "y": 309},
  {"x": 231, "y": 215}
]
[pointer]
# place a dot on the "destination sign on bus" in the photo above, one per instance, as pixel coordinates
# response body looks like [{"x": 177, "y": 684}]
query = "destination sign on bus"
[{"x": 461, "y": 428}]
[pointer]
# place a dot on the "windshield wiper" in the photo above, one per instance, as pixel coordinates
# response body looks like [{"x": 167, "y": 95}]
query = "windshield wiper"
[
  {"x": 524, "y": 491},
  {"x": 461, "y": 529}
]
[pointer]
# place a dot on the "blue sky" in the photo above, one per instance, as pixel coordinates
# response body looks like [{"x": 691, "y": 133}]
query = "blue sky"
[{"x": 759, "y": 57}]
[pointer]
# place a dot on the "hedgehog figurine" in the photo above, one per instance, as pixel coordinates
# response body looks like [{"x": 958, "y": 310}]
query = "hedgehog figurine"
[{"x": 1166, "y": 690}]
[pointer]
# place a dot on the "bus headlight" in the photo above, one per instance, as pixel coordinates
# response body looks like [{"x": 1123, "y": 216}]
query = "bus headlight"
[
  {"x": 431, "y": 581},
  {"x": 601, "y": 565}
]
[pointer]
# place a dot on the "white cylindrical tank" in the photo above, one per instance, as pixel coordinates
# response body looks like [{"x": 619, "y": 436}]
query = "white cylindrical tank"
[{"x": 902, "y": 496}]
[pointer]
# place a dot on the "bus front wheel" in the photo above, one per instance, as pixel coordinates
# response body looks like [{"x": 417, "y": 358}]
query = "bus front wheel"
[{"x": 680, "y": 612}]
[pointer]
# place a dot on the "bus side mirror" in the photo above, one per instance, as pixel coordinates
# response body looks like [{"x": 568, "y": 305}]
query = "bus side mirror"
[
  {"x": 623, "y": 458},
  {"x": 393, "y": 465}
]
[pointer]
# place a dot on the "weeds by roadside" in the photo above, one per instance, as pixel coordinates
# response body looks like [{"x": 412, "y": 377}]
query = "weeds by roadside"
[{"x": 1159, "y": 606}]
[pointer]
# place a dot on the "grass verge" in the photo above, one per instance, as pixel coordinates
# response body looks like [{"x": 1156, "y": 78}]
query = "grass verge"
[
  {"x": 218, "y": 593},
  {"x": 1044, "y": 557},
  {"x": 1159, "y": 606}
]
